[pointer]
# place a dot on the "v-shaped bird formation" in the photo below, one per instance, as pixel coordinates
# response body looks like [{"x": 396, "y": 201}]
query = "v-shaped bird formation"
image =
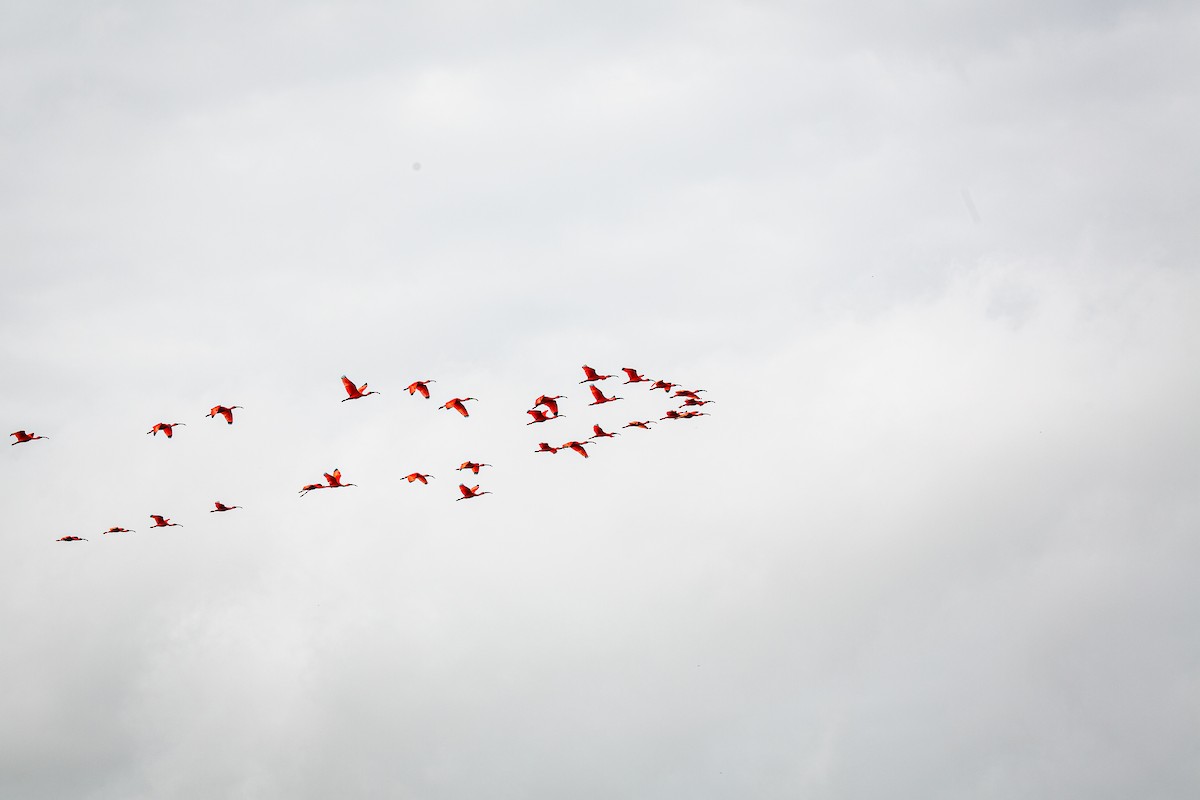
[{"x": 545, "y": 409}]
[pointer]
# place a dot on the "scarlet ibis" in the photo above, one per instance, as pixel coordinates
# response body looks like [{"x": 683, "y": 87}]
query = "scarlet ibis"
[
  {"x": 692, "y": 393},
  {"x": 635, "y": 424},
  {"x": 691, "y": 401},
  {"x": 310, "y": 487},
  {"x": 633, "y": 375},
  {"x": 600, "y": 398},
  {"x": 591, "y": 375},
  {"x": 549, "y": 401},
  {"x": 117, "y": 529},
  {"x": 457, "y": 404},
  {"x": 544, "y": 447},
  {"x": 224, "y": 411},
  {"x": 540, "y": 416},
  {"x": 71, "y": 539},
  {"x": 599, "y": 433},
  {"x": 334, "y": 481},
  {"x": 222, "y": 507},
  {"x": 355, "y": 392},
  {"x": 417, "y": 476},
  {"x": 671, "y": 415},
  {"x": 166, "y": 427},
  {"x": 691, "y": 414},
  {"x": 420, "y": 386},
  {"x": 23, "y": 437},
  {"x": 666, "y": 386},
  {"x": 577, "y": 447},
  {"x": 471, "y": 465},
  {"x": 162, "y": 522},
  {"x": 467, "y": 494}
]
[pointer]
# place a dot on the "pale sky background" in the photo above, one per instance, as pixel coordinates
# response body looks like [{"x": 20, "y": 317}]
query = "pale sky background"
[{"x": 936, "y": 263}]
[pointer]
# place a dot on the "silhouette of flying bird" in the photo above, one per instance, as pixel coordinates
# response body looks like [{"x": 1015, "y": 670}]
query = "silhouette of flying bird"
[
  {"x": 417, "y": 476},
  {"x": 166, "y": 427},
  {"x": 635, "y": 424},
  {"x": 334, "y": 480},
  {"x": 355, "y": 392},
  {"x": 549, "y": 401},
  {"x": 117, "y": 529},
  {"x": 71, "y": 539},
  {"x": 471, "y": 465},
  {"x": 457, "y": 404},
  {"x": 633, "y": 375},
  {"x": 224, "y": 411},
  {"x": 599, "y": 433},
  {"x": 540, "y": 416},
  {"x": 691, "y": 401},
  {"x": 420, "y": 386},
  {"x": 222, "y": 507},
  {"x": 23, "y": 437},
  {"x": 666, "y": 386},
  {"x": 592, "y": 375},
  {"x": 576, "y": 446},
  {"x": 312, "y": 486},
  {"x": 600, "y": 398},
  {"x": 162, "y": 522},
  {"x": 544, "y": 447},
  {"x": 467, "y": 494}
]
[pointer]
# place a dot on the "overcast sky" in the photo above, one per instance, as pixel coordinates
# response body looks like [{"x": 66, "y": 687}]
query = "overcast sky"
[{"x": 936, "y": 263}]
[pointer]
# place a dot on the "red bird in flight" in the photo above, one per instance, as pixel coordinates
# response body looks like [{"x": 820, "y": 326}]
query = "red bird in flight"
[
  {"x": 420, "y": 386},
  {"x": 117, "y": 529},
  {"x": 71, "y": 539},
  {"x": 471, "y": 465},
  {"x": 600, "y": 398},
  {"x": 540, "y": 416},
  {"x": 544, "y": 447},
  {"x": 577, "y": 447},
  {"x": 334, "y": 480},
  {"x": 166, "y": 427},
  {"x": 224, "y": 411},
  {"x": 467, "y": 494},
  {"x": 691, "y": 401},
  {"x": 643, "y": 425},
  {"x": 666, "y": 386},
  {"x": 311, "y": 487},
  {"x": 222, "y": 507},
  {"x": 599, "y": 433},
  {"x": 23, "y": 437},
  {"x": 457, "y": 404},
  {"x": 633, "y": 375},
  {"x": 417, "y": 476},
  {"x": 549, "y": 401},
  {"x": 692, "y": 393},
  {"x": 591, "y": 375},
  {"x": 162, "y": 522},
  {"x": 355, "y": 392}
]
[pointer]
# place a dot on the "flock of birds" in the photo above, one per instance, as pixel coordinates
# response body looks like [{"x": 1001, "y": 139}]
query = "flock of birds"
[{"x": 545, "y": 409}]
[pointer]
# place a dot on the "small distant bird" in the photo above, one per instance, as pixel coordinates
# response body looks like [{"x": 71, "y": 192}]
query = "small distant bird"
[
  {"x": 666, "y": 386},
  {"x": 599, "y": 433},
  {"x": 311, "y": 487},
  {"x": 692, "y": 393},
  {"x": 457, "y": 404},
  {"x": 222, "y": 507},
  {"x": 633, "y": 375},
  {"x": 224, "y": 411},
  {"x": 635, "y": 424},
  {"x": 117, "y": 529},
  {"x": 541, "y": 416},
  {"x": 591, "y": 375},
  {"x": 71, "y": 539},
  {"x": 334, "y": 480},
  {"x": 549, "y": 401},
  {"x": 672, "y": 415},
  {"x": 600, "y": 398},
  {"x": 576, "y": 446},
  {"x": 420, "y": 386},
  {"x": 467, "y": 494},
  {"x": 544, "y": 447},
  {"x": 471, "y": 465},
  {"x": 692, "y": 414},
  {"x": 417, "y": 476},
  {"x": 691, "y": 401},
  {"x": 23, "y": 437},
  {"x": 166, "y": 427},
  {"x": 355, "y": 392},
  {"x": 162, "y": 522}
]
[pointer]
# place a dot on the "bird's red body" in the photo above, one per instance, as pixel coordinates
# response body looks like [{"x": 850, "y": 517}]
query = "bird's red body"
[
  {"x": 457, "y": 405},
  {"x": 540, "y": 416},
  {"x": 633, "y": 375},
  {"x": 162, "y": 522},
  {"x": 471, "y": 465},
  {"x": 354, "y": 392},
  {"x": 666, "y": 386},
  {"x": 222, "y": 507},
  {"x": 599, "y": 433},
  {"x": 166, "y": 427},
  {"x": 550, "y": 402},
  {"x": 420, "y": 386},
  {"x": 591, "y": 375},
  {"x": 643, "y": 425},
  {"x": 600, "y": 398},
  {"x": 117, "y": 529},
  {"x": 544, "y": 447},
  {"x": 312, "y": 487},
  {"x": 71, "y": 539},
  {"x": 577, "y": 447},
  {"x": 23, "y": 437},
  {"x": 692, "y": 393},
  {"x": 691, "y": 401},
  {"x": 334, "y": 480},
  {"x": 224, "y": 411},
  {"x": 417, "y": 476},
  {"x": 468, "y": 493}
]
